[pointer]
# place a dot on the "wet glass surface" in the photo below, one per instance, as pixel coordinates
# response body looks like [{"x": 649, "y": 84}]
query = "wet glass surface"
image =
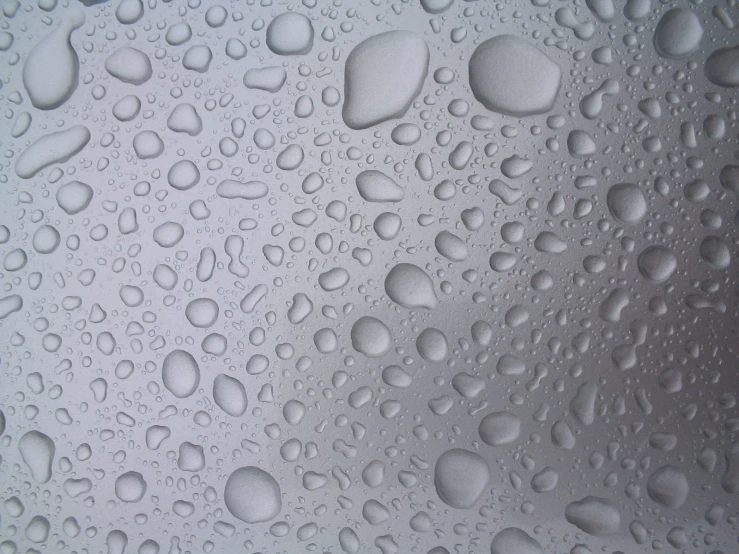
[{"x": 411, "y": 276}]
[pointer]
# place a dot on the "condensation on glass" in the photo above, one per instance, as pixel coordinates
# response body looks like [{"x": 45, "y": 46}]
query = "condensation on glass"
[{"x": 433, "y": 276}]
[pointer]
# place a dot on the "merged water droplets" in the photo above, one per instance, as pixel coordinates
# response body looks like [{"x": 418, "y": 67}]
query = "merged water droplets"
[
  {"x": 51, "y": 149},
  {"x": 51, "y": 70},
  {"x": 377, "y": 84},
  {"x": 37, "y": 451}
]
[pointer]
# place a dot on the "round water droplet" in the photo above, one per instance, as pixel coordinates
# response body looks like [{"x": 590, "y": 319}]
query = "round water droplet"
[
  {"x": 461, "y": 477},
  {"x": 252, "y": 495}
]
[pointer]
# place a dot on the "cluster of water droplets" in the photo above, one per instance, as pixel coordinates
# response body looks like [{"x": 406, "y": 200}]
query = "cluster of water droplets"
[{"x": 421, "y": 276}]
